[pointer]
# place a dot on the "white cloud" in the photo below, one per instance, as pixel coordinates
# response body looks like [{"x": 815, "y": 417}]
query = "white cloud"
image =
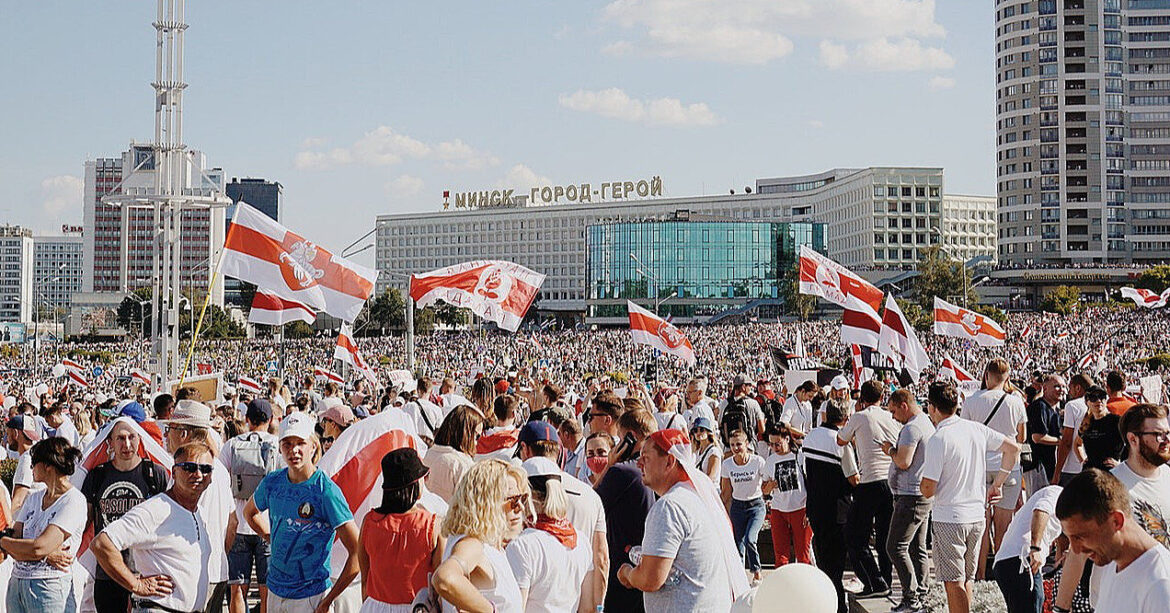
[
  {"x": 404, "y": 187},
  {"x": 905, "y": 54},
  {"x": 759, "y": 31},
  {"x": 382, "y": 146},
  {"x": 312, "y": 142},
  {"x": 617, "y": 104},
  {"x": 833, "y": 55},
  {"x": 521, "y": 177},
  {"x": 816, "y": 124},
  {"x": 937, "y": 83},
  {"x": 61, "y": 193}
]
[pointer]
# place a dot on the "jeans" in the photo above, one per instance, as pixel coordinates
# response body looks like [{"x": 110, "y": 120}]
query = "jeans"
[
  {"x": 747, "y": 517},
  {"x": 41, "y": 595},
  {"x": 790, "y": 529},
  {"x": 870, "y": 516},
  {"x": 1022, "y": 591},
  {"x": 248, "y": 549},
  {"x": 906, "y": 544}
]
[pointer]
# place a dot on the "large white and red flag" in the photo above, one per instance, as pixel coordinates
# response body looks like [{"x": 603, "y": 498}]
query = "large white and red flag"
[
  {"x": 328, "y": 375},
  {"x": 899, "y": 341},
  {"x": 954, "y": 320},
  {"x": 77, "y": 377},
  {"x": 248, "y": 384},
  {"x": 951, "y": 370},
  {"x": 272, "y": 310},
  {"x": 497, "y": 291},
  {"x": 354, "y": 463},
  {"x": 646, "y": 328},
  {"x": 1145, "y": 297},
  {"x": 261, "y": 251},
  {"x": 820, "y": 276},
  {"x": 347, "y": 351}
]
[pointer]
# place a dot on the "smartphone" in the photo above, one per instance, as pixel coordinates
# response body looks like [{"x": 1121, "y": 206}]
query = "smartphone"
[{"x": 625, "y": 447}]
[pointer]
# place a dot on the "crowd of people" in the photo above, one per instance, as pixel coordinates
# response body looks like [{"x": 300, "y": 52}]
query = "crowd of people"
[{"x": 571, "y": 470}]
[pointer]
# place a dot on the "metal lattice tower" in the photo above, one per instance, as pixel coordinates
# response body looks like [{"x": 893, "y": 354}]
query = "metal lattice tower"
[{"x": 173, "y": 193}]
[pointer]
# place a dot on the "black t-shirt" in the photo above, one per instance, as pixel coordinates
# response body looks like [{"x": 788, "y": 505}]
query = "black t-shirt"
[
  {"x": 111, "y": 492},
  {"x": 1044, "y": 420},
  {"x": 1102, "y": 440},
  {"x": 627, "y": 502}
]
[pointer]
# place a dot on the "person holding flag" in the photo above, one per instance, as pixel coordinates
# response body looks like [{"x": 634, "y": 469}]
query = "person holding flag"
[{"x": 688, "y": 560}]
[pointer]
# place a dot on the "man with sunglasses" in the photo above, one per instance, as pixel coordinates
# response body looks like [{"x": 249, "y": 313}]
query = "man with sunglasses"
[{"x": 168, "y": 541}]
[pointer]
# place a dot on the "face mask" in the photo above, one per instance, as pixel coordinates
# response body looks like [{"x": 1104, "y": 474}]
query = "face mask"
[{"x": 597, "y": 464}]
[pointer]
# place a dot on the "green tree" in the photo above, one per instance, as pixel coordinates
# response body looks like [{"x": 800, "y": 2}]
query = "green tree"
[
  {"x": 993, "y": 312},
  {"x": 452, "y": 316},
  {"x": 424, "y": 320},
  {"x": 795, "y": 303},
  {"x": 130, "y": 312},
  {"x": 918, "y": 317},
  {"x": 942, "y": 276},
  {"x": 217, "y": 324},
  {"x": 298, "y": 329},
  {"x": 1156, "y": 279},
  {"x": 388, "y": 311},
  {"x": 1062, "y": 299}
]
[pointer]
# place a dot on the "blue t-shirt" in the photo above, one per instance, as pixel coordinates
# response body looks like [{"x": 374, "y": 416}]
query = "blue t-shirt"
[{"x": 303, "y": 517}]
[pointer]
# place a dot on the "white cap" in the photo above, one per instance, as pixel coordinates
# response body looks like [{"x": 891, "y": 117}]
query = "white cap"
[
  {"x": 101, "y": 398},
  {"x": 300, "y": 425},
  {"x": 839, "y": 383},
  {"x": 330, "y": 402},
  {"x": 540, "y": 466}
]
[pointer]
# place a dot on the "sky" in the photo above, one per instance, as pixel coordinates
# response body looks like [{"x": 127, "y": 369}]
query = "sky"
[{"x": 362, "y": 108}]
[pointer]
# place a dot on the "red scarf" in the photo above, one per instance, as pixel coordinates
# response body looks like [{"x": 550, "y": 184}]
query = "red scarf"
[{"x": 559, "y": 528}]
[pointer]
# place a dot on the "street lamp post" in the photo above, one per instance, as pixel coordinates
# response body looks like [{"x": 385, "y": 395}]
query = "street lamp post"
[
  {"x": 641, "y": 269},
  {"x": 409, "y": 320},
  {"x": 962, "y": 264},
  {"x": 37, "y": 316}
]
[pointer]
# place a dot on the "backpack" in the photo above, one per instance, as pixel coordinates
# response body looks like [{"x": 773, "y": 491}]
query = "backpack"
[
  {"x": 737, "y": 417},
  {"x": 253, "y": 458},
  {"x": 773, "y": 409}
]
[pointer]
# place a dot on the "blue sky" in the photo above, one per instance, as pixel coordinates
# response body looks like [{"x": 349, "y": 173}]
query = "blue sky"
[{"x": 366, "y": 108}]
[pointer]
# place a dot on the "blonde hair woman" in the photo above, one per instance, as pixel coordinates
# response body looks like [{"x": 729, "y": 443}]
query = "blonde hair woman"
[
  {"x": 548, "y": 559},
  {"x": 487, "y": 510}
]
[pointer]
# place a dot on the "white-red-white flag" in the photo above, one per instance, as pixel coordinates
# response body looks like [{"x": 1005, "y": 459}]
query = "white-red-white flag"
[
  {"x": 140, "y": 376},
  {"x": 954, "y": 320},
  {"x": 858, "y": 365},
  {"x": 354, "y": 463},
  {"x": 1026, "y": 333},
  {"x": 646, "y": 328},
  {"x": 77, "y": 377},
  {"x": 951, "y": 370},
  {"x": 1146, "y": 298},
  {"x": 821, "y": 276},
  {"x": 328, "y": 375},
  {"x": 347, "y": 351},
  {"x": 249, "y": 384},
  {"x": 899, "y": 341},
  {"x": 261, "y": 251},
  {"x": 497, "y": 291},
  {"x": 71, "y": 365},
  {"x": 272, "y": 310}
]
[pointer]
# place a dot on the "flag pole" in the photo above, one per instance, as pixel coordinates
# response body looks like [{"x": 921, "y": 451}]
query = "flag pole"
[{"x": 203, "y": 310}]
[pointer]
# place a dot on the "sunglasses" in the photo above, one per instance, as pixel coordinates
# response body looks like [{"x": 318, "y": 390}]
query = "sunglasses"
[
  {"x": 517, "y": 503},
  {"x": 195, "y": 466},
  {"x": 326, "y": 440}
]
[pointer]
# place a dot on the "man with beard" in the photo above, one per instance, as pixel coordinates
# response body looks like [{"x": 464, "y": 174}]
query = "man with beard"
[
  {"x": 1096, "y": 515},
  {"x": 1145, "y": 473}
]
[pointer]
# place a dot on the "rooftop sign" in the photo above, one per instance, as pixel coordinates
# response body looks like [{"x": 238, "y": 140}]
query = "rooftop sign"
[{"x": 555, "y": 194}]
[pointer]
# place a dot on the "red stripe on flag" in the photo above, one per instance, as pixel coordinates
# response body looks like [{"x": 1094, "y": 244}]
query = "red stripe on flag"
[
  {"x": 261, "y": 246},
  {"x": 356, "y": 479}
]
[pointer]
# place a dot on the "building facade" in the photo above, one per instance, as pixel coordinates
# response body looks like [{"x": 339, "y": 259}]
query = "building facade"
[
  {"x": 59, "y": 267},
  {"x": 16, "y": 275},
  {"x": 690, "y": 268},
  {"x": 873, "y": 217},
  {"x": 1083, "y": 131},
  {"x": 120, "y": 241},
  {"x": 262, "y": 195}
]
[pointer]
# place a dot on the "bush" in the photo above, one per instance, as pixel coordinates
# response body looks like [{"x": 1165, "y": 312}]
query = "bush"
[{"x": 1155, "y": 362}]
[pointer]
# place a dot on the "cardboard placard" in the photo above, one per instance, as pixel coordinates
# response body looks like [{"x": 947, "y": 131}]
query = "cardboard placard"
[{"x": 211, "y": 387}]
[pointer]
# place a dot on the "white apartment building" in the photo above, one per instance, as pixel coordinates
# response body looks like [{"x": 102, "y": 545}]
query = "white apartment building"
[
  {"x": 16, "y": 274},
  {"x": 875, "y": 217},
  {"x": 59, "y": 268}
]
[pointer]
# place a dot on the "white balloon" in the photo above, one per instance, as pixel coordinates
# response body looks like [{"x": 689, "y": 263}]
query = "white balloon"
[
  {"x": 800, "y": 587},
  {"x": 59, "y": 370}
]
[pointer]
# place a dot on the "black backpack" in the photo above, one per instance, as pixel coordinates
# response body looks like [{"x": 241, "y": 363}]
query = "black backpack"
[
  {"x": 737, "y": 417},
  {"x": 772, "y": 411}
]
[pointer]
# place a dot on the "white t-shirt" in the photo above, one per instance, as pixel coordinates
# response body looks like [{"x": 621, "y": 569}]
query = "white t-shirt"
[
  {"x": 866, "y": 430},
  {"x": 702, "y": 408},
  {"x": 1143, "y": 587},
  {"x": 551, "y": 573},
  {"x": 68, "y": 513},
  {"x": 166, "y": 539},
  {"x": 1017, "y": 540},
  {"x": 433, "y": 413},
  {"x": 1074, "y": 412},
  {"x": 585, "y": 511},
  {"x": 23, "y": 474},
  {"x": 956, "y": 458},
  {"x": 669, "y": 419},
  {"x": 788, "y": 472},
  {"x": 746, "y": 479},
  {"x": 1150, "y": 497},
  {"x": 216, "y": 505},
  {"x": 679, "y": 527},
  {"x": 227, "y": 457},
  {"x": 797, "y": 414},
  {"x": 1006, "y": 421}
]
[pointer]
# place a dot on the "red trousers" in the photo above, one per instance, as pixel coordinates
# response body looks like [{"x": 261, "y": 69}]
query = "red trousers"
[{"x": 790, "y": 530}]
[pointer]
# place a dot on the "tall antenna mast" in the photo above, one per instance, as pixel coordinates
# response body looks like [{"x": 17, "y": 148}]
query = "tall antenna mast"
[{"x": 177, "y": 188}]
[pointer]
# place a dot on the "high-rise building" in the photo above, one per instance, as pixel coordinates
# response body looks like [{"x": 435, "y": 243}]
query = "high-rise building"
[
  {"x": 58, "y": 267},
  {"x": 16, "y": 274},
  {"x": 120, "y": 240},
  {"x": 262, "y": 195},
  {"x": 1083, "y": 130}
]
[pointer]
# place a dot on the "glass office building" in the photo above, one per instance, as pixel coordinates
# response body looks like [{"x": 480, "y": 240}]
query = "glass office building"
[{"x": 690, "y": 269}]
